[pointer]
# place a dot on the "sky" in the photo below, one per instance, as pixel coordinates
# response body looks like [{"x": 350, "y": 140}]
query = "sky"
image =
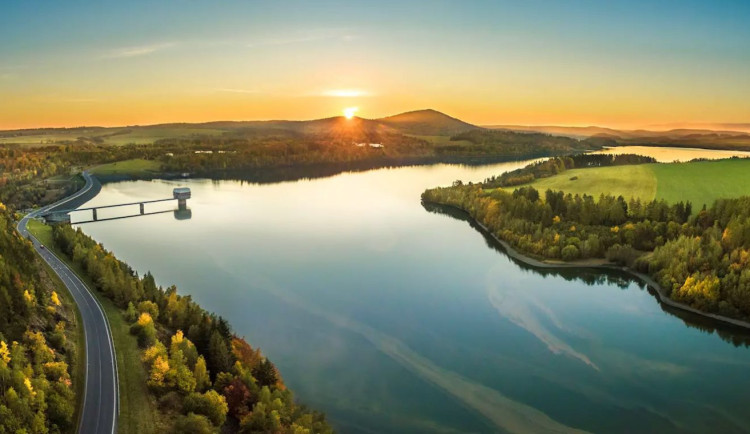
[{"x": 622, "y": 64}]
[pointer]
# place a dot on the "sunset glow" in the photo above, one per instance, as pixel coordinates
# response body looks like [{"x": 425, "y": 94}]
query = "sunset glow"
[
  {"x": 611, "y": 63},
  {"x": 350, "y": 111}
]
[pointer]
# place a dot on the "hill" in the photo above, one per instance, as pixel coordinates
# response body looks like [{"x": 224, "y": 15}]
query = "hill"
[
  {"x": 426, "y": 123},
  {"x": 420, "y": 123}
]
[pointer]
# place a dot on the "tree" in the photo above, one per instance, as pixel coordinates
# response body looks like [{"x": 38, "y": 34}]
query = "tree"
[
  {"x": 209, "y": 404},
  {"x": 218, "y": 354},
  {"x": 130, "y": 313},
  {"x": 149, "y": 307},
  {"x": 569, "y": 253},
  {"x": 202, "y": 379},
  {"x": 238, "y": 398},
  {"x": 265, "y": 373},
  {"x": 194, "y": 424},
  {"x": 145, "y": 330}
]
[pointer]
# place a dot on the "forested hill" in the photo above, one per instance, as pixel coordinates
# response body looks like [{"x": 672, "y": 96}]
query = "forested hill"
[
  {"x": 37, "y": 344},
  {"x": 427, "y": 123},
  {"x": 419, "y": 122}
]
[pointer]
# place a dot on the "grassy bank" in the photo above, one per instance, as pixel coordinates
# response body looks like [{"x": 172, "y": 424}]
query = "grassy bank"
[
  {"x": 700, "y": 182},
  {"x": 138, "y": 409},
  {"x": 136, "y": 168}
]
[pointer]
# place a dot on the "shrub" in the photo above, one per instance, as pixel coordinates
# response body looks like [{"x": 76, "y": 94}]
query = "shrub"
[{"x": 570, "y": 253}]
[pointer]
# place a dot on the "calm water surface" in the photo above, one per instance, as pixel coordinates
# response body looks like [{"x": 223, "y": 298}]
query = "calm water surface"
[{"x": 391, "y": 318}]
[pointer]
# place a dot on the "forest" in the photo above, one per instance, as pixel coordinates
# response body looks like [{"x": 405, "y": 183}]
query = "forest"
[
  {"x": 700, "y": 257},
  {"x": 202, "y": 373},
  {"x": 523, "y": 144},
  {"x": 37, "y": 347},
  {"x": 23, "y": 168}
]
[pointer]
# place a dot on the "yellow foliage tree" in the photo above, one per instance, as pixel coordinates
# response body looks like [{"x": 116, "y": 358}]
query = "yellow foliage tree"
[
  {"x": 29, "y": 297},
  {"x": 55, "y": 299},
  {"x": 158, "y": 371},
  {"x": 4, "y": 352},
  {"x": 145, "y": 319}
]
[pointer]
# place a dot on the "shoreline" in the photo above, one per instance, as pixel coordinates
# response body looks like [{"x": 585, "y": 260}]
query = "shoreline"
[
  {"x": 661, "y": 295},
  {"x": 294, "y": 172}
]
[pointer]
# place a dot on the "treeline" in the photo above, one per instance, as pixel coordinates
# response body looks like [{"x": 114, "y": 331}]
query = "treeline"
[
  {"x": 197, "y": 367},
  {"x": 708, "y": 267},
  {"x": 486, "y": 141},
  {"x": 562, "y": 226},
  {"x": 701, "y": 259},
  {"x": 36, "y": 355},
  {"x": 556, "y": 165},
  {"x": 23, "y": 167}
]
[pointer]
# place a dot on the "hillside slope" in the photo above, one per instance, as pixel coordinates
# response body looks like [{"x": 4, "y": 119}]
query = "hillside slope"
[{"x": 427, "y": 123}]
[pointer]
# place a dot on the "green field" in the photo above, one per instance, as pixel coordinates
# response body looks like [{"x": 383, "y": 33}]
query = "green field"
[
  {"x": 40, "y": 139},
  {"x": 106, "y": 136},
  {"x": 144, "y": 136},
  {"x": 136, "y": 168},
  {"x": 699, "y": 182},
  {"x": 628, "y": 181},
  {"x": 442, "y": 140},
  {"x": 138, "y": 409}
]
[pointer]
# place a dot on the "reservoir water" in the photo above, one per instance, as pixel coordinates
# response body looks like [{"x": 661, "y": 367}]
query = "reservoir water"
[{"x": 391, "y": 318}]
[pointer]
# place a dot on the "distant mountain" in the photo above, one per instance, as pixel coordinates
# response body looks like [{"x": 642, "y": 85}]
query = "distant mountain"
[
  {"x": 715, "y": 126},
  {"x": 575, "y": 132},
  {"x": 736, "y": 139},
  {"x": 419, "y": 122},
  {"x": 594, "y": 131},
  {"x": 426, "y": 123}
]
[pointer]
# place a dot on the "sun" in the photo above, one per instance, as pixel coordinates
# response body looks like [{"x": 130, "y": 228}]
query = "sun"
[{"x": 349, "y": 112}]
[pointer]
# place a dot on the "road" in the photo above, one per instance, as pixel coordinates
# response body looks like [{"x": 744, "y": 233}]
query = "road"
[{"x": 101, "y": 398}]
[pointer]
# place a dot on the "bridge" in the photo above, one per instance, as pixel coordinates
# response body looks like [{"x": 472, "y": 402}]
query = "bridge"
[{"x": 181, "y": 194}]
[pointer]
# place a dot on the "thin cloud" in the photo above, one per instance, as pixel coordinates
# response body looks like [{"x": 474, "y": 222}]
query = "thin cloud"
[
  {"x": 301, "y": 39},
  {"x": 79, "y": 100},
  {"x": 142, "y": 50},
  {"x": 344, "y": 93},
  {"x": 232, "y": 90}
]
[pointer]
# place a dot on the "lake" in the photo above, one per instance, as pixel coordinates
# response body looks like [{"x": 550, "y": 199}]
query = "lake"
[{"x": 391, "y": 318}]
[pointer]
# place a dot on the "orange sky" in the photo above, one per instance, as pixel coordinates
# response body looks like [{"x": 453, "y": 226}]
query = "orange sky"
[{"x": 483, "y": 62}]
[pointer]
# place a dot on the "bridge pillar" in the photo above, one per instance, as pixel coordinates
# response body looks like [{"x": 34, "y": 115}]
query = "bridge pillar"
[
  {"x": 181, "y": 203},
  {"x": 93, "y": 211},
  {"x": 142, "y": 206}
]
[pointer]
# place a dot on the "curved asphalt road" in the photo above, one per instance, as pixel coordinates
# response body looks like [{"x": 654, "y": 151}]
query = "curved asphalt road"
[{"x": 101, "y": 398}]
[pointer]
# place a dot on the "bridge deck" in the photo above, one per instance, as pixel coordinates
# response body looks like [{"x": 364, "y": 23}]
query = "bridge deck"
[{"x": 112, "y": 206}]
